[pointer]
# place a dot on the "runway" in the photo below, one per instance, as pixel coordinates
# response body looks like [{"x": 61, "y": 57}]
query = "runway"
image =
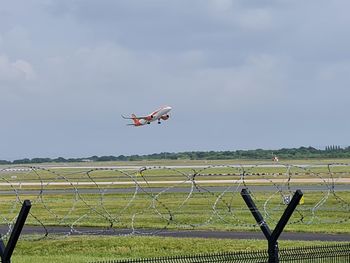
[
  {"x": 137, "y": 167},
  {"x": 212, "y": 189},
  {"x": 181, "y": 233},
  {"x": 173, "y": 182}
]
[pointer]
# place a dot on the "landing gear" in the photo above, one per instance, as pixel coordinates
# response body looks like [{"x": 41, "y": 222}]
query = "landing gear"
[{"x": 159, "y": 122}]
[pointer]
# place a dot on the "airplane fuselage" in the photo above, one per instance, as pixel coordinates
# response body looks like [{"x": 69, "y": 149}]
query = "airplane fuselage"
[{"x": 160, "y": 114}]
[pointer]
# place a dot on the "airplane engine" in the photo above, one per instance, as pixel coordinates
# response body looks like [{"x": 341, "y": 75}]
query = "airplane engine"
[
  {"x": 149, "y": 118},
  {"x": 165, "y": 117}
]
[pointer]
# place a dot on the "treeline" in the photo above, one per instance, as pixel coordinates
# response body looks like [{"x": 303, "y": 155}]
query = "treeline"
[{"x": 332, "y": 151}]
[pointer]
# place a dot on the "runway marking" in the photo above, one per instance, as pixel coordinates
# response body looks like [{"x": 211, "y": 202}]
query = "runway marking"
[{"x": 250, "y": 181}]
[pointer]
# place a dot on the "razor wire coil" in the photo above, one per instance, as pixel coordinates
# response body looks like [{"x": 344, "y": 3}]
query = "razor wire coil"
[{"x": 149, "y": 200}]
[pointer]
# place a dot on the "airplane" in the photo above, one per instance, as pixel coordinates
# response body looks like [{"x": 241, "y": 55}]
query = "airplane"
[{"x": 160, "y": 114}]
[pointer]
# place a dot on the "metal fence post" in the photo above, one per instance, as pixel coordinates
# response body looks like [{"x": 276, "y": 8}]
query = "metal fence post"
[
  {"x": 6, "y": 251},
  {"x": 272, "y": 237},
  {"x": 272, "y": 250}
]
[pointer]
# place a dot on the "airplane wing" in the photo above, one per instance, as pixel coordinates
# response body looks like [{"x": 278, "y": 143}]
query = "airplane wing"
[{"x": 136, "y": 117}]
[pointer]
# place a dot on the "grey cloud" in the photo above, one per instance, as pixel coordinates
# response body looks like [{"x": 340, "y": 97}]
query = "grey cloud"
[
  {"x": 14, "y": 73},
  {"x": 167, "y": 25},
  {"x": 239, "y": 74}
]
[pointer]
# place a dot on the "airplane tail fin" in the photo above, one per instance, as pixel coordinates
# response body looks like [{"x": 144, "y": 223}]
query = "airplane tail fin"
[{"x": 135, "y": 120}]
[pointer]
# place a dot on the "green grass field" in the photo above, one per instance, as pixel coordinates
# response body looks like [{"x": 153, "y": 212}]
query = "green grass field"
[
  {"x": 98, "y": 248},
  {"x": 205, "y": 210}
]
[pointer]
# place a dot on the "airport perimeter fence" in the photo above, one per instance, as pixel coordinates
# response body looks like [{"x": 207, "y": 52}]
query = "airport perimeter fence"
[{"x": 339, "y": 253}]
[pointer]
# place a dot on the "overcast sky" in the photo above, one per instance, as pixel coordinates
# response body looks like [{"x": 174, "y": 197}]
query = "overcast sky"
[{"x": 240, "y": 74}]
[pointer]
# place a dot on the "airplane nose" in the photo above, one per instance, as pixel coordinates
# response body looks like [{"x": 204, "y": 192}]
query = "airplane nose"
[{"x": 168, "y": 108}]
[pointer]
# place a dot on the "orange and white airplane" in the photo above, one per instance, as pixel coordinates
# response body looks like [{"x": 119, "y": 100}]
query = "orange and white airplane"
[{"x": 160, "y": 114}]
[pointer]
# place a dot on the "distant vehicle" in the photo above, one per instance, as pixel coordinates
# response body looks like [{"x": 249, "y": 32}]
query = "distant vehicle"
[
  {"x": 160, "y": 114},
  {"x": 275, "y": 159}
]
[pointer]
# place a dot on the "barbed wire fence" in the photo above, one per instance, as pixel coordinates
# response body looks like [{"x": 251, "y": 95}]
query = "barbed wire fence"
[{"x": 148, "y": 200}]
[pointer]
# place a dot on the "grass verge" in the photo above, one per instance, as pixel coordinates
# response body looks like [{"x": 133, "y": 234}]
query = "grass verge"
[{"x": 97, "y": 248}]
